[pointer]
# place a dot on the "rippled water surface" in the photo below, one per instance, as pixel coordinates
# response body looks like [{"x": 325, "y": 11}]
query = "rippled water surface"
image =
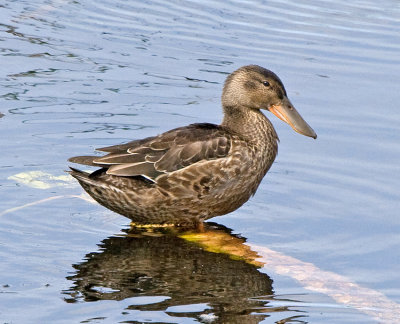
[{"x": 318, "y": 243}]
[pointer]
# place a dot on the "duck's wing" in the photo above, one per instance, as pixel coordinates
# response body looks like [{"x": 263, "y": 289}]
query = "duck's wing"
[
  {"x": 115, "y": 149},
  {"x": 168, "y": 152},
  {"x": 121, "y": 148}
]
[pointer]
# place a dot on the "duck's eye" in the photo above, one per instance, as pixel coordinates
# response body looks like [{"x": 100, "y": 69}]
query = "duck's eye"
[{"x": 266, "y": 83}]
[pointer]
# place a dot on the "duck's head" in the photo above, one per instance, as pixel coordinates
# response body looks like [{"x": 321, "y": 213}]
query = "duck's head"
[{"x": 253, "y": 87}]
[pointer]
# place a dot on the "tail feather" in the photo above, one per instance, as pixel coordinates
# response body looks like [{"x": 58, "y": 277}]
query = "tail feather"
[
  {"x": 85, "y": 160},
  {"x": 81, "y": 176},
  {"x": 90, "y": 181}
]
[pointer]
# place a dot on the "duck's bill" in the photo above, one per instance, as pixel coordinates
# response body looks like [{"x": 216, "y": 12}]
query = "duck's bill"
[{"x": 286, "y": 112}]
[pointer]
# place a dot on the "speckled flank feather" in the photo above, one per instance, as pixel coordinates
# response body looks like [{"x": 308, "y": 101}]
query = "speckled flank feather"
[{"x": 196, "y": 172}]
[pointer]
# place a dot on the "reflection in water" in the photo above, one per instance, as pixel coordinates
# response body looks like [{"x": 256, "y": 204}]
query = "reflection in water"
[{"x": 162, "y": 263}]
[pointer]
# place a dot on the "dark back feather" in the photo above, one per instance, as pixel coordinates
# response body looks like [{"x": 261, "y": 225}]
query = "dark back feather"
[{"x": 168, "y": 152}]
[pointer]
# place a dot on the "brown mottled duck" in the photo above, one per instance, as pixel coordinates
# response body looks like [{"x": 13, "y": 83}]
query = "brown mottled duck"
[{"x": 192, "y": 173}]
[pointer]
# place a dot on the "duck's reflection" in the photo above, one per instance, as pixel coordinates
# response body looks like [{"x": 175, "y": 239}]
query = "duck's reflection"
[{"x": 211, "y": 267}]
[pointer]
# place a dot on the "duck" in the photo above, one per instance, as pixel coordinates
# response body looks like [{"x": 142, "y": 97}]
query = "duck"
[{"x": 192, "y": 173}]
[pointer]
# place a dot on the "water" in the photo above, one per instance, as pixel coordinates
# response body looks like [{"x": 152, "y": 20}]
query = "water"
[{"x": 78, "y": 75}]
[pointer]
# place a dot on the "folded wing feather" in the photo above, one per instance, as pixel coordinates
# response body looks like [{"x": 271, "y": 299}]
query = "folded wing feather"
[{"x": 165, "y": 153}]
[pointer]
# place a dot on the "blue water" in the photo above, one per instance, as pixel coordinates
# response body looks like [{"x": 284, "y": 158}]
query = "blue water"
[{"x": 78, "y": 75}]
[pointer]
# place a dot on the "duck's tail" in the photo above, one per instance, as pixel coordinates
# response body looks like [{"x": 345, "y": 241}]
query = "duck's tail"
[
  {"x": 82, "y": 176},
  {"x": 85, "y": 160}
]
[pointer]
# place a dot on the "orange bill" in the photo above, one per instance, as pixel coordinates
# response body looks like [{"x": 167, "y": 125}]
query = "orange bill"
[{"x": 286, "y": 112}]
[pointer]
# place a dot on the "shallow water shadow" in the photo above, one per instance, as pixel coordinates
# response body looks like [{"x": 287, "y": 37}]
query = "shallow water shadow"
[{"x": 211, "y": 267}]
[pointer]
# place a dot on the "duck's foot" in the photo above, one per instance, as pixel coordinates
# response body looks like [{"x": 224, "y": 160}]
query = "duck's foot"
[
  {"x": 197, "y": 226},
  {"x": 138, "y": 225}
]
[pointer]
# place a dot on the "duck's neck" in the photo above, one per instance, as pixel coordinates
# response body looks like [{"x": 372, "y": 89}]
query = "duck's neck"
[{"x": 251, "y": 124}]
